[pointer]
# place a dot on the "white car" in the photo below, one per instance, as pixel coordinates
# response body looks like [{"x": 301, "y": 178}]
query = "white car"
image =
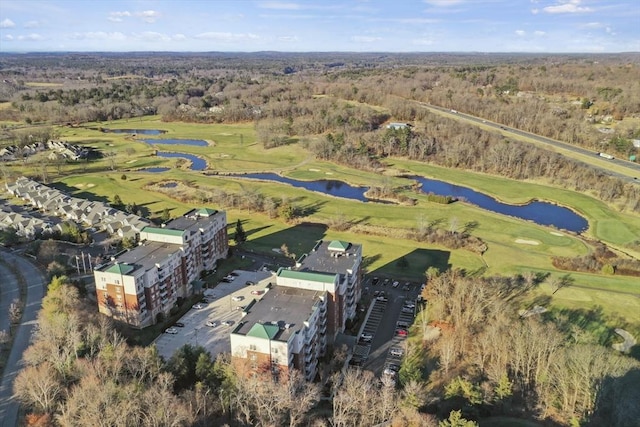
[
  {"x": 212, "y": 323},
  {"x": 396, "y": 351},
  {"x": 237, "y": 298},
  {"x": 198, "y": 306},
  {"x": 366, "y": 337},
  {"x": 171, "y": 331}
]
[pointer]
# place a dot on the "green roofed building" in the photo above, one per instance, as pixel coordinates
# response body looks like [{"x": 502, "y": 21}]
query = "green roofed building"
[
  {"x": 334, "y": 267},
  {"x": 137, "y": 285},
  {"x": 285, "y": 329}
]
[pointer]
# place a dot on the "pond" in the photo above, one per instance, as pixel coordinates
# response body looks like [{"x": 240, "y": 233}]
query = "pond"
[
  {"x": 542, "y": 213},
  {"x": 155, "y": 170},
  {"x": 195, "y": 142},
  {"x": 135, "y": 131},
  {"x": 325, "y": 186},
  {"x": 197, "y": 163}
]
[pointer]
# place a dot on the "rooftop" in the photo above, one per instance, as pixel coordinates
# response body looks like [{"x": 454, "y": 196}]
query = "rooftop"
[
  {"x": 193, "y": 220},
  {"x": 279, "y": 314},
  {"x": 331, "y": 257},
  {"x": 144, "y": 256}
]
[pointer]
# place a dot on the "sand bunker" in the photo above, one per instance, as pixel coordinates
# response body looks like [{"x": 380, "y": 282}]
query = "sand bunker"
[
  {"x": 314, "y": 170},
  {"x": 528, "y": 242},
  {"x": 555, "y": 233},
  {"x": 629, "y": 341}
]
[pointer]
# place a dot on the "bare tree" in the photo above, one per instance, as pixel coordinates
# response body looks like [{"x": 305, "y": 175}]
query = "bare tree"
[{"x": 39, "y": 387}]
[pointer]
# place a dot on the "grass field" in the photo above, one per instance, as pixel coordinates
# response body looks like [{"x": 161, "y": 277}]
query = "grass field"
[{"x": 233, "y": 149}]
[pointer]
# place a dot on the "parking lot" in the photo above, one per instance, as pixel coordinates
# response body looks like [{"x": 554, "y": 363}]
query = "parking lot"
[
  {"x": 224, "y": 301},
  {"x": 389, "y": 313}
]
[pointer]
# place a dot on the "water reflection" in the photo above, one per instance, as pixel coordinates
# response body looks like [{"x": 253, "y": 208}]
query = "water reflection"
[
  {"x": 542, "y": 213},
  {"x": 197, "y": 163}
]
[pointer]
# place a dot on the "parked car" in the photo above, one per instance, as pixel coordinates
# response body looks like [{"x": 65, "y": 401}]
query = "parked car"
[
  {"x": 179, "y": 324},
  {"x": 240, "y": 307},
  {"x": 382, "y": 298},
  {"x": 375, "y": 281},
  {"x": 228, "y": 322},
  {"x": 396, "y": 351},
  {"x": 171, "y": 331},
  {"x": 407, "y": 310},
  {"x": 389, "y": 372},
  {"x": 376, "y": 293},
  {"x": 403, "y": 325},
  {"x": 257, "y": 292},
  {"x": 198, "y": 306},
  {"x": 226, "y": 280},
  {"x": 386, "y": 282},
  {"x": 212, "y": 323},
  {"x": 249, "y": 283},
  {"x": 402, "y": 332},
  {"x": 366, "y": 337},
  {"x": 395, "y": 284},
  {"x": 410, "y": 305},
  {"x": 237, "y": 298}
]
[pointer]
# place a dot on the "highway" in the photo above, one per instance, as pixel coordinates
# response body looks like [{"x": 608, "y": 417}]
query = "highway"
[
  {"x": 35, "y": 282},
  {"x": 632, "y": 170}
]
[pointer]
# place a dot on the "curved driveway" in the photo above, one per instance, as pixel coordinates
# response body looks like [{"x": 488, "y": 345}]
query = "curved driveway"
[{"x": 35, "y": 282}]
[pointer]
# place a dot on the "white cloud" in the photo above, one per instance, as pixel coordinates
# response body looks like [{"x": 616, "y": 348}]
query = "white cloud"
[
  {"x": 149, "y": 16},
  {"x": 8, "y": 37},
  {"x": 118, "y": 16},
  {"x": 32, "y": 24},
  {"x": 568, "y": 6},
  {"x": 227, "y": 37},
  {"x": 520, "y": 32},
  {"x": 443, "y": 2},
  {"x": 33, "y": 37},
  {"x": 98, "y": 35},
  {"x": 539, "y": 33},
  {"x": 179, "y": 37},
  {"x": 593, "y": 25},
  {"x": 152, "y": 36},
  {"x": 7, "y": 23},
  {"x": 279, "y": 5},
  {"x": 365, "y": 39},
  {"x": 288, "y": 38},
  {"x": 423, "y": 42}
]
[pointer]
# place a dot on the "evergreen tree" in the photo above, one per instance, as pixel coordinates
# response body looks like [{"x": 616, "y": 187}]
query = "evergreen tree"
[{"x": 241, "y": 236}]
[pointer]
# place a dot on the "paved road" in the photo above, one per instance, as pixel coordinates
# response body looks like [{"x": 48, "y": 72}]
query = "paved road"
[
  {"x": 9, "y": 291},
  {"x": 633, "y": 169},
  {"x": 35, "y": 292}
]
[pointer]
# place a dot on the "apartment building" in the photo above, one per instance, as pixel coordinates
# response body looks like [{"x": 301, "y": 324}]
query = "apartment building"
[
  {"x": 286, "y": 329},
  {"x": 334, "y": 267},
  {"x": 295, "y": 321},
  {"x": 139, "y": 284}
]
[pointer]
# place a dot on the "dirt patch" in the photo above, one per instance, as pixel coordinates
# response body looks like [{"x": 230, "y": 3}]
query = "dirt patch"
[{"x": 527, "y": 242}]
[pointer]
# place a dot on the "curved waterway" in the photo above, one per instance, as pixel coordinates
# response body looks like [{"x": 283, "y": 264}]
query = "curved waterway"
[
  {"x": 542, "y": 213},
  {"x": 197, "y": 163},
  {"x": 325, "y": 186},
  {"x": 135, "y": 131}
]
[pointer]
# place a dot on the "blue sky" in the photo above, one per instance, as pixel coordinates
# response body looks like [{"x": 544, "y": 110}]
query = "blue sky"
[{"x": 321, "y": 25}]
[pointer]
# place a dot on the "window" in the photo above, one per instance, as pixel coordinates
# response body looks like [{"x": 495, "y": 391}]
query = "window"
[{"x": 252, "y": 347}]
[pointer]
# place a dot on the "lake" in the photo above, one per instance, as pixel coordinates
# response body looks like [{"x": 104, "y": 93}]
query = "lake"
[
  {"x": 135, "y": 131},
  {"x": 197, "y": 163},
  {"x": 155, "y": 170},
  {"x": 195, "y": 142},
  {"x": 326, "y": 186},
  {"x": 542, "y": 213}
]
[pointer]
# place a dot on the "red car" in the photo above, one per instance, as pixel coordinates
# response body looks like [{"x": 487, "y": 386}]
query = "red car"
[
  {"x": 256, "y": 292},
  {"x": 402, "y": 332}
]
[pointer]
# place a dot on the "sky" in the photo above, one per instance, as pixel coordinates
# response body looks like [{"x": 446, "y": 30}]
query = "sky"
[{"x": 538, "y": 26}]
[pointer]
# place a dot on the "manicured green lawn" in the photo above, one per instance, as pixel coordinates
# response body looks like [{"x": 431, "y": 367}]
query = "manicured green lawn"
[{"x": 515, "y": 246}]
